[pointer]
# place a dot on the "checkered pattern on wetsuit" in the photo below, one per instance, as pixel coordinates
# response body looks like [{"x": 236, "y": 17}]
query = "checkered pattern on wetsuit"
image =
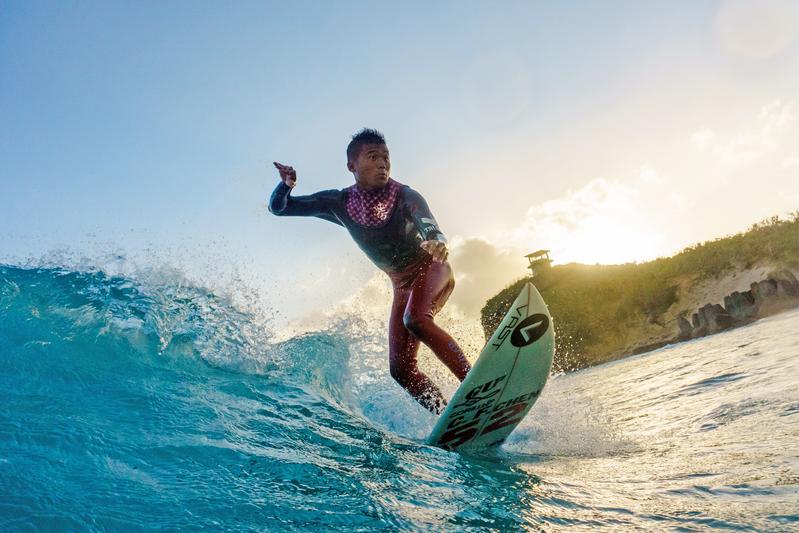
[{"x": 372, "y": 208}]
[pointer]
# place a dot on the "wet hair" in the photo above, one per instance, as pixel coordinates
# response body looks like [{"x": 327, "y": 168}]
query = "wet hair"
[{"x": 365, "y": 136}]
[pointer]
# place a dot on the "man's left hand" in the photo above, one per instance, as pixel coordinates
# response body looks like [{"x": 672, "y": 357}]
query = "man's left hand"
[{"x": 437, "y": 249}]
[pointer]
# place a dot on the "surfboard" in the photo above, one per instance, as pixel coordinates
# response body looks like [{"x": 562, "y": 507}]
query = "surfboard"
[{"x": 505, "y": 381}]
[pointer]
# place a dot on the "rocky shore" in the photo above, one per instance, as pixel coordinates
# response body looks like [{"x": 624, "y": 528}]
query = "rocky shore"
[{"x": 779, "y": 291}]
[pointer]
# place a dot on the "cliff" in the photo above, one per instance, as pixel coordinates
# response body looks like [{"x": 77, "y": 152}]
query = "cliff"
[{"x": 605, "y": 312}]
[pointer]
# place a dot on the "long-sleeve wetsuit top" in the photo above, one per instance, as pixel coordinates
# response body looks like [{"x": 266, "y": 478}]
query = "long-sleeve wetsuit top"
[{"x": 392, "y": 246}]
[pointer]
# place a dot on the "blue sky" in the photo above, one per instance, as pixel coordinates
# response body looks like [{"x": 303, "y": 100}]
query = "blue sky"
[{"x": 606, "y": 131}]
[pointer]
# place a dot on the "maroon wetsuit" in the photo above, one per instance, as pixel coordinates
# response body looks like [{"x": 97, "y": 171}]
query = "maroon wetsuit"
[{"x": 389, "y": 225}]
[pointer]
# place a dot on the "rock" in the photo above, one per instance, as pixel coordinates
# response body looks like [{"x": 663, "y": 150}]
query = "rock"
[
  {"x": 779, "y": 291},
  {"x": 722, "y": 318},
  {"x": 764, "y": 290},
  {"x": 685, "y": 328},
  {"x": 787, "y": 284},
  {"x": 699, "y": 321},
  {"x": 716, "y": 318},
  {"x": 741, "y": 305}
]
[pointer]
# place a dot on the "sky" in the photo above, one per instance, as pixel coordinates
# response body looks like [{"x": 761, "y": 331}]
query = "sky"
[{"x": 606, "y": 132}]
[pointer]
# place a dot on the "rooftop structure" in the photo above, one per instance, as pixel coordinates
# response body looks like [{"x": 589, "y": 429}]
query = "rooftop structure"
[{"x": 539, "y": 262}]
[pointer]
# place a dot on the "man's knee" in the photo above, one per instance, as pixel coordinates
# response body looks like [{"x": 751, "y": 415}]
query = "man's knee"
[{"x": 416, "y": 324}]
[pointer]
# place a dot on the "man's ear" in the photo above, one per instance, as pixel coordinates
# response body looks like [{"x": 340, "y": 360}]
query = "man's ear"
[{"x": 350, "y": 166}]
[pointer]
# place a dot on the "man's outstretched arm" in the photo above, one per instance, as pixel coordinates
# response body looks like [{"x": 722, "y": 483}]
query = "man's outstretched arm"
[{"x": 281, "y": 202}]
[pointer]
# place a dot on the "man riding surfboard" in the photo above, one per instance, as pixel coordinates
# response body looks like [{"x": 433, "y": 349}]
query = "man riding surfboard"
[{"x": 393, "y": 225}]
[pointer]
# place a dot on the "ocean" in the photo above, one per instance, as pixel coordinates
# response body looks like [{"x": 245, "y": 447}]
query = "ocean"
[{"x": 138, "y": 405}]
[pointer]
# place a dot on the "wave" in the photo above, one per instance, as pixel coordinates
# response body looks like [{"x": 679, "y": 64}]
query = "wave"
[
  {"x": 92, "y": 314},
  {"x": 65, "y": 317},
  {"x": 62, "y": 316}
]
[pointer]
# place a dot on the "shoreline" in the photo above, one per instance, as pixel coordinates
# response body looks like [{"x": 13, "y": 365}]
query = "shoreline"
[{"x": 776, "y": 293}]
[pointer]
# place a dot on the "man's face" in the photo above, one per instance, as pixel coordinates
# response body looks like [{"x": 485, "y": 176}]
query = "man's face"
[{"x": 372, "y": 167}]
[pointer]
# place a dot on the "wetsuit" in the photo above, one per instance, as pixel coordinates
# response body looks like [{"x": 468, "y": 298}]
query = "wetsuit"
[{"x": 389, "y": 225}]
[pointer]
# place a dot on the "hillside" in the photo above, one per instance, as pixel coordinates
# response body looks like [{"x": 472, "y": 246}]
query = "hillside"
[{"x": 605, "y": 312}]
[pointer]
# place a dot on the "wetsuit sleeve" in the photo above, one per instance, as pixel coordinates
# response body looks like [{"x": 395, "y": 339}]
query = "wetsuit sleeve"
[
  {"x": 422, "y": 217},
  {"x": 314, "y": 205}
]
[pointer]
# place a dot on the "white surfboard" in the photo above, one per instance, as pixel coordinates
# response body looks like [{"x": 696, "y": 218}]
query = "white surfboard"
[{"x": 504, "y": 382}]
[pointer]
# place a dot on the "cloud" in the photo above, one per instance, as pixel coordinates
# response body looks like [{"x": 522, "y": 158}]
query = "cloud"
[
  {"x": 703, "y": 138},
  {"x": 481, "y": 270},
  {"x": 568, "y": 213},
  {"x": 605, "y": 221},
  {"x": 757, "y": 30},
  {"x": 638, "y": 216},
  {"x": 766, "y": 136},
  {"x": 650, "y": 175}
]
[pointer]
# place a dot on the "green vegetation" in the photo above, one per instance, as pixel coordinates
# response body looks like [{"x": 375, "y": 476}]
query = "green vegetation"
[{"x": 598, "y": 309}]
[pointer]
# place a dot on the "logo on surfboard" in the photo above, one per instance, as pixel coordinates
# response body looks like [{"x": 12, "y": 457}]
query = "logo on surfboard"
[{"x": 529, "y": 330}]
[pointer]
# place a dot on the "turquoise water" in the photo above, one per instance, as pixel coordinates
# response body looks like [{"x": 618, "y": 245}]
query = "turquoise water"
[{"x": 137, "y": 406}]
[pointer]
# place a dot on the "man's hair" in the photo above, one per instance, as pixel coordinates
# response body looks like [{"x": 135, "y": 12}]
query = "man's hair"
[{"x": 365, "y": 136}]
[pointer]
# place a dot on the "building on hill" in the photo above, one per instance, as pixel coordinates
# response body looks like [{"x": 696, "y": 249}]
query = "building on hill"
[{"x": 539, "y": 262}]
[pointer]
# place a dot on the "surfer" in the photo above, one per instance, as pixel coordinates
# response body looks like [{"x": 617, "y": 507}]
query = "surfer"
[{"x": 393, "y": 225}]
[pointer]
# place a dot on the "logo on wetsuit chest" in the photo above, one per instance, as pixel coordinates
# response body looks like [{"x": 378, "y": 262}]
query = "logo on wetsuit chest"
[{"x": 381, "y": 210}]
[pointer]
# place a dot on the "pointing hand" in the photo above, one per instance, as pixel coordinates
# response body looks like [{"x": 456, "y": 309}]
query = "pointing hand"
[{"x": 287, "y": 174}]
